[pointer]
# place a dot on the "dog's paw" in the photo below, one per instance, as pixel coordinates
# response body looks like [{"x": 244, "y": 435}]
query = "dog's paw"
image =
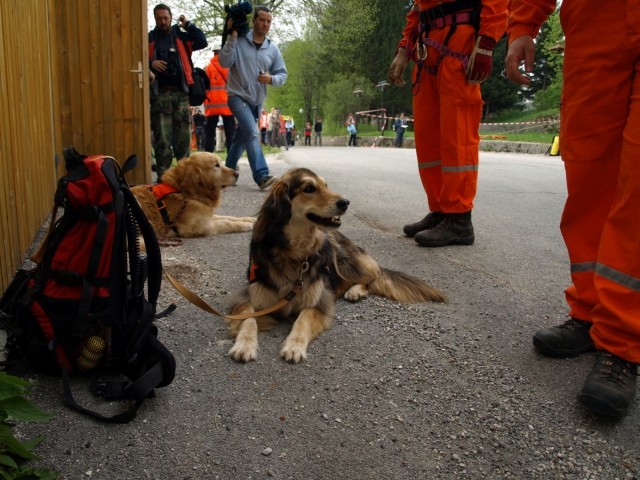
[
  {"x": 243, "y": 352},
  {"x": 356, "y": 293},
  {"x": 293, "y": 352}
]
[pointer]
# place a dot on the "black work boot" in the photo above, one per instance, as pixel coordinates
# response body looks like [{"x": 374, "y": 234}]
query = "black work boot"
[
  {"x": 453, "y": 229},
  {"x": 611, "y": 386},
  {"x": 567, "y": 340},
  {"x": 428, "y": 222}
]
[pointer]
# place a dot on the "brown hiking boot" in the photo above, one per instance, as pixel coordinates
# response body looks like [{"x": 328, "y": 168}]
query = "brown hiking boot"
[
  {"x": 428, "y": 222},
  {"x": 453, "y": 229},
  {"x": 611, "y": 386},
  {"x": 567, "y": 340}
]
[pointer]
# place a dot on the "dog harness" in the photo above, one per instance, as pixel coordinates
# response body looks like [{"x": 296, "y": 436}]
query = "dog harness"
[{"x": 160, "y": 191}]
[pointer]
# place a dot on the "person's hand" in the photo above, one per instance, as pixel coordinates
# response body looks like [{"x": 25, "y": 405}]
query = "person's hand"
[
  {"x": 152, "y": 77},
  {"x": 481, "y": 60},
  {"x": 396, "y": 69},
  {"x": 521, "y": 49},
  {"x": 159, "y": 65},
  {"x": 232, "y": 31},
  {"x": 264, "y": 77},
  {"x": 182, "y": 21}
]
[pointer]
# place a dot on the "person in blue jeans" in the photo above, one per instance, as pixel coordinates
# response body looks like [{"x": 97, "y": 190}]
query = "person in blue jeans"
[{"x": 254, "y": 62}]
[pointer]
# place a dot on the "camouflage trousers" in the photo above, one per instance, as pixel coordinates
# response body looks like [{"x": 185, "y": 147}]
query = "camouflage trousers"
[{"x": 171, "y": 128}]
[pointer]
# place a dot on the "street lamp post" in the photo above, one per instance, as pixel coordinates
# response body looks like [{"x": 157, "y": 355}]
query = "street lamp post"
[
  {"x": 381, "y": 85},
  {"x": 357, "y": 92}
]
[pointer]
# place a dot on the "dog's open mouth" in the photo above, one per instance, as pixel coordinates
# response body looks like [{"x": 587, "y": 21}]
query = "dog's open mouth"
[{"x": 325, "y": 221}]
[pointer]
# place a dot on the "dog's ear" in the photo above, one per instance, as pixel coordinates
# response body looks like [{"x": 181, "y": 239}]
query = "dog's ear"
[
  {"x": 275, "y": 212},
  {"x": 194, "y": 178}
]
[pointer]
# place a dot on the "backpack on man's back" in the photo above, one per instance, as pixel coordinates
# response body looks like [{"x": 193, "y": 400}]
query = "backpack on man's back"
[{"x": 89, "y": 305}]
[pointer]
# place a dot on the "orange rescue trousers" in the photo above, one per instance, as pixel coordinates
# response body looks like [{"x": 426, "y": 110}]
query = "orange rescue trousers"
[
  {"x": 600, "y": 131},
  {"x": 447, "y": 112}
]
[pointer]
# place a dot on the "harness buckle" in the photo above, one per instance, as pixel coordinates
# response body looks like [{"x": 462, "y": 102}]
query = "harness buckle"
[
  {"x": 303, "y": 269},
  {"x": 421, "y": 51}
]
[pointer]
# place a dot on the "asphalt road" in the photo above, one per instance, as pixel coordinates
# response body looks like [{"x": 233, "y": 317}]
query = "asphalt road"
[{"x": 392, "y": 391}]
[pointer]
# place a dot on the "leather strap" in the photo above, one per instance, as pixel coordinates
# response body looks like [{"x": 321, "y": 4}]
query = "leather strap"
[
  {"x": 200, "y": 303},
  {"x": 457, "y": 18}
]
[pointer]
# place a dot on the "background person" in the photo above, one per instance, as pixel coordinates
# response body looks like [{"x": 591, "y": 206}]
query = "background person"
[
  {"x": 263, "y": 125},
  {"x": 289, "y": 125},
  {"x": 400, "y": 125},
  {"x": 170, "y": 48},
  {"x": 254, "y": 62},
  {"x": 600, "y": 148},
  {"x": 307, "y": 134},
  {"x": 216, "y": 105},
  {"x": 274, "y": 127},
  {"x": 353, "y": 133},
  {"x": 451, "y": 44},
  {"x": 198, "y": 125},
  {"x": 317, "y": 132}
]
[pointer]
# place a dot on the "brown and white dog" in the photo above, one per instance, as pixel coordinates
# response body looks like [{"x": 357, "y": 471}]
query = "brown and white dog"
[
  {"x": 183, "y": 205},
  {"x": 295, "y": 238}
]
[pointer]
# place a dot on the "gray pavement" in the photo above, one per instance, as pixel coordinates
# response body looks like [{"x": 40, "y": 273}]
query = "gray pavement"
[{"x": 391, "y": 391}]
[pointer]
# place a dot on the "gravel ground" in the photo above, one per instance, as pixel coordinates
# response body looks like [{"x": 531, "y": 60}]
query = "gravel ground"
[{"x": 428, "y": 391}]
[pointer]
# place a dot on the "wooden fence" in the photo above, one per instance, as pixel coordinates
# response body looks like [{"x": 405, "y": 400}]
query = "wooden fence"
[
  {"x": 72, "y": 72},
  {"x": 27, "y": 131}
]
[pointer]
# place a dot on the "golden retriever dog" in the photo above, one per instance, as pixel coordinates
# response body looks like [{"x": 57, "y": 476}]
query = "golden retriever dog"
[
  {"x": 183, "y": 204},
  {"x": 295, "y": 241}
]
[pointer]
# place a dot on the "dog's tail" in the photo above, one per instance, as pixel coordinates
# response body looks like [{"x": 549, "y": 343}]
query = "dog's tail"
[{"x": 404, "y": 288}]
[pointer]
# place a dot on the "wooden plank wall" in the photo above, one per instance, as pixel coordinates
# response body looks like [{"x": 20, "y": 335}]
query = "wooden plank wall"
[
  {"x": 65, "y": 79},
  {"x": 103, "y": 107},
  {"x": 27, "y": 134}
]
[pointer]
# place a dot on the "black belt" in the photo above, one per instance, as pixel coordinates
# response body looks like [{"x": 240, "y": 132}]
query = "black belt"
[
  {"x": 445, "y": 9},
  {"x": 454, "y": 18},
  {"x": 169, "y": 88}
]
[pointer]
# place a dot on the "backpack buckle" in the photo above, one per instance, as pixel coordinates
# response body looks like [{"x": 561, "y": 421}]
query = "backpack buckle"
[{"x": 109, "y": 390}]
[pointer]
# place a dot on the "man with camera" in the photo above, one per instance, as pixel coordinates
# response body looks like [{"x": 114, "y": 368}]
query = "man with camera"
[
  {"x": 254, "y": 62},
  {"x": 170, "y": 48}
]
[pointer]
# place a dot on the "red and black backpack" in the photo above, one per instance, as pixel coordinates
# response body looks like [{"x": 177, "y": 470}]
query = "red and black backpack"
[{"x": 88, "y": 307}]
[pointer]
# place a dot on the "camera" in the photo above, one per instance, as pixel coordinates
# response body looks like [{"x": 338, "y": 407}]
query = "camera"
[
  {"x": 172, "y": 70},
  {"x": 238, "y": 14}
]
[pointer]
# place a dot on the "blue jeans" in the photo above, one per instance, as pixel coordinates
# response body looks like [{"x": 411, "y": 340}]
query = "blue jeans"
[{"x": 247, "y": 138}]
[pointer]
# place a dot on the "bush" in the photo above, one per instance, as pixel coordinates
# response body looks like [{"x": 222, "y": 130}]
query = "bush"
[{"x": 13, "y": 452}]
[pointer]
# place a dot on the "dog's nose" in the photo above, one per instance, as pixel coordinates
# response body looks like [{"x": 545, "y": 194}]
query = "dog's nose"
[{"x": 342, "y": 204}]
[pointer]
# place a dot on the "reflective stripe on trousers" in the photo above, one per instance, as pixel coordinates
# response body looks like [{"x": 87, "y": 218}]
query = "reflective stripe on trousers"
[
  {"x": 447, "y": 113},
  {"x": 600, "y": 133}
]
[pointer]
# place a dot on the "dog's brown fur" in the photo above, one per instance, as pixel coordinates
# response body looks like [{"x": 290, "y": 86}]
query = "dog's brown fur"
[
  {"x": 297, "y": 224},
  {"x": 199, "y": 179}
]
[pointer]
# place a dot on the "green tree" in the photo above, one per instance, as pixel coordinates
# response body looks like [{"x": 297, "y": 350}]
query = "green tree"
[
  {"x": 551, "y": 47},
  {"x": 341, "y": 99},
  {"x": 344, "y": 31},
  {"x": 497, "y": 92},
  {"x": 381, "y": 48}
]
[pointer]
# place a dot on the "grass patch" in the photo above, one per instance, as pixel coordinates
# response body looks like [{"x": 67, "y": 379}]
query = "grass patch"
[
  {"x": 534, "y": 137},
  {"x": 518, "y": 116}
]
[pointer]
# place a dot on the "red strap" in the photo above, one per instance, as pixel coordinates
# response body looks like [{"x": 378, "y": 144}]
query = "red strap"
[{"x": 161, "y": 190}]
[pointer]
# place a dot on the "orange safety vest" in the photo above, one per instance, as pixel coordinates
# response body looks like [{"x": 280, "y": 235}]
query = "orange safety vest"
[
  {"x": 217, "y": 97},
  {"x": 264, "y": 121}
]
